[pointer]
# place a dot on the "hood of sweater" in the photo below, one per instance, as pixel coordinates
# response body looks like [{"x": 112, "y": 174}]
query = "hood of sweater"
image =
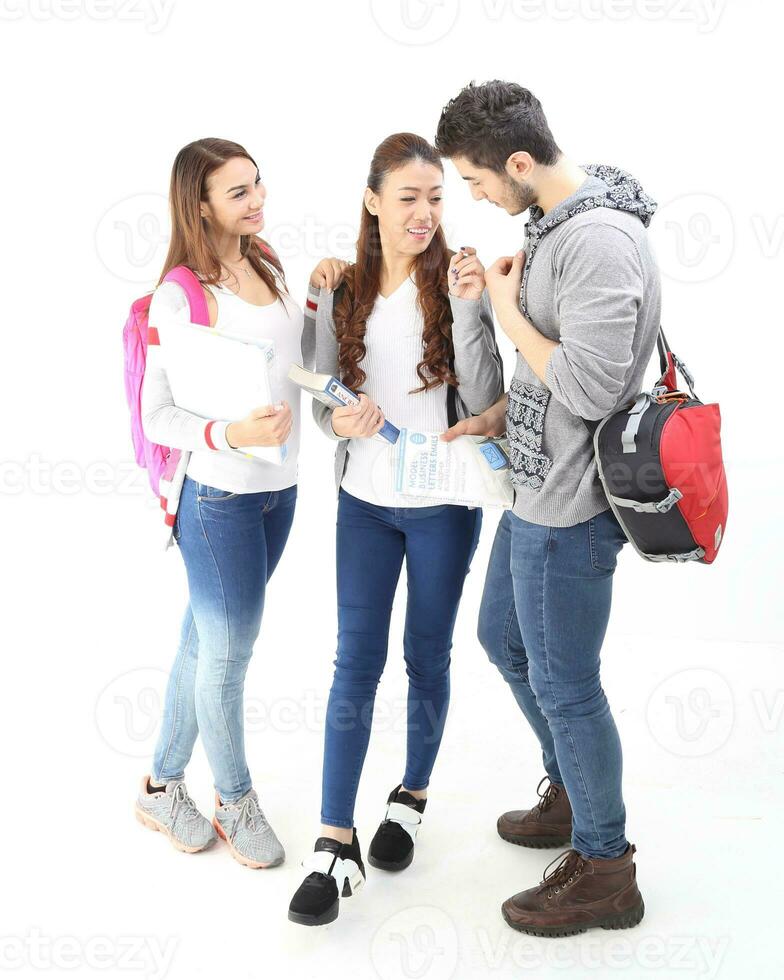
[{"x": 605, "y": 187}]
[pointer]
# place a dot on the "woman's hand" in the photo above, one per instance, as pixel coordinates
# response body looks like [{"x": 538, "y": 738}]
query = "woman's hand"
[
  {"x": 357, "y": 421},
  {"x": 266, "y": 426},
  {"x": 503, "y": 280},
  {"x": 328, "y": 274},
  {"x": 466, "y": 274}
]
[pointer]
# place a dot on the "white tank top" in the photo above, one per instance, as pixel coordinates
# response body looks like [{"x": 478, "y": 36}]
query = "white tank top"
[{"x": 280, "y": 322}]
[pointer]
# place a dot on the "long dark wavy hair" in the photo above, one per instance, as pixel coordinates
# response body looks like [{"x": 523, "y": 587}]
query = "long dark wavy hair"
[
  {"x": 362, "y": 279},
  {"x": 190, "y": 245}
]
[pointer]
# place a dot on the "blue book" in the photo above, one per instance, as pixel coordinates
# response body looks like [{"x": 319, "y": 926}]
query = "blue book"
[
  {"x": 494, "y": 454},
  {"x": 332, "y": 392}
]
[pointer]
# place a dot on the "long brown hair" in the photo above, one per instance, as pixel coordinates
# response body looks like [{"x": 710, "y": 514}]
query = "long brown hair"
[
  {"x": 362, "y": 280},
  {"x": 190, "y": 245}
]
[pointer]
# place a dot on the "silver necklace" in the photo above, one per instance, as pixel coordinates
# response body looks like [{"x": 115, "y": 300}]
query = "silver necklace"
[{"x": 241, "y": 268}]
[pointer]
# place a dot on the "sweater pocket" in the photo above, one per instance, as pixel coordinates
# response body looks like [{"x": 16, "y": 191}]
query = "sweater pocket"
[{"x": 525, "y": 412}]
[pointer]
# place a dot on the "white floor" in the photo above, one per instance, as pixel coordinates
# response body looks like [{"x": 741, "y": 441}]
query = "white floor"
[
  {"x": 94, "y": 892},
  {"x": 694, "y": 685}
]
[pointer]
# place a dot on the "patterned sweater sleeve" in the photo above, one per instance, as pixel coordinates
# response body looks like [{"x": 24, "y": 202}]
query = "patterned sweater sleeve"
[{"x": 164, "y": 422}]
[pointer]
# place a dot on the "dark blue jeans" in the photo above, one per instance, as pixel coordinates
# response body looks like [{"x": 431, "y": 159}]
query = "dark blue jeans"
[
  {"x": 543, "y": 619},
  {"x": 230, "y": 543},
  {"x": 438, "y": 544}
]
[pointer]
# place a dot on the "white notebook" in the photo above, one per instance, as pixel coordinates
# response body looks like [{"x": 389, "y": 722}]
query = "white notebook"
[{"x": 220, "y": 376}]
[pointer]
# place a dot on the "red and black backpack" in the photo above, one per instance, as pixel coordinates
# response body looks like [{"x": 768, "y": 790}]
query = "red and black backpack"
[{"x": 661, "y": 466}]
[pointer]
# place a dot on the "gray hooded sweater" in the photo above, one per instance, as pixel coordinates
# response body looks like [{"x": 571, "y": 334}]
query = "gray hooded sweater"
[{"x": 590, "y": 282}]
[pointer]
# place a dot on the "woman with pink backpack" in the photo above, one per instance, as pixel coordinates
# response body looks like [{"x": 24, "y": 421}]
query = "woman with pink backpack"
[{"x": 230, "y": 513}]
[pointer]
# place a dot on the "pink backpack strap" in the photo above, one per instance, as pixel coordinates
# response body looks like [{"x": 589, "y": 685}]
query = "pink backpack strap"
[{"x": 183, "y": 276}]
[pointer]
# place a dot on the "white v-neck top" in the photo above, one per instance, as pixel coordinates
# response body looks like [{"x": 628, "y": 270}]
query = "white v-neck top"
[{"x": 393, "y": 342}]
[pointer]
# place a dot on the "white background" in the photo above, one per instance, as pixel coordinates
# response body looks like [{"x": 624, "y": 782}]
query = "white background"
[{"x": 98, "y": 98}]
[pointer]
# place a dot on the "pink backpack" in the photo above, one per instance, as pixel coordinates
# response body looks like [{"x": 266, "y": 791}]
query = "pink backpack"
[{"x": 159, "y": 461}]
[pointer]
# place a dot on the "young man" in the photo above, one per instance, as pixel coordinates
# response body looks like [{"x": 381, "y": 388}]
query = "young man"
[{"x": 581, "y": 304}]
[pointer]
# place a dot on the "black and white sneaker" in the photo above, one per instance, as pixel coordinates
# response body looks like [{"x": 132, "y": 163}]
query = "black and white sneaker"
[
  {"x": 335, "y": 869},
  {"x": 392, "y": 848}
]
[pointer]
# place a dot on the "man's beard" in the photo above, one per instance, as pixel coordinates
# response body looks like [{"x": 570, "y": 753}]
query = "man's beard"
[{"x": 521, "y": 196}]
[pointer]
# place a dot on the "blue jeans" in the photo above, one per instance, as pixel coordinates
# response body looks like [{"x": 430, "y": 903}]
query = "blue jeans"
[
  {"x": 542, "y": 621},
  {"x": 230, "y": 543},
  {"x": 438, "y": 544}
]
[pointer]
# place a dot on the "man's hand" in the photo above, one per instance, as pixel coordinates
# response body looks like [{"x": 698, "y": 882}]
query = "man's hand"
[
  {"x": 503, "y": 280},
  {"x": 491, "y": 422}
]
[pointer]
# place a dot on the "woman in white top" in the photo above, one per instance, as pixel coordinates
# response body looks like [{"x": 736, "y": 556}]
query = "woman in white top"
[
  {"x": 235, "y": 510},
  {"x": 412, "y": 328}
]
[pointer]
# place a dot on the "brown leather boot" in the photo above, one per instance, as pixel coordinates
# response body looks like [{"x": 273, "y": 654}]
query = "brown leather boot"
[
  {"x": 579, "y": 894},
  {"x": 548, "y": 824}
]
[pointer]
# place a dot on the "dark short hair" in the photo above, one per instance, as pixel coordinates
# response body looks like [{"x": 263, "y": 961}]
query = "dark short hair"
[{"x": 487, "y": 123}]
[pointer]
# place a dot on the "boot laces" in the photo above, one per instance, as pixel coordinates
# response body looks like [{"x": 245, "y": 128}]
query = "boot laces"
[
  {"x": 564, "y": 873},
  {"x": 547, "y": 798}
]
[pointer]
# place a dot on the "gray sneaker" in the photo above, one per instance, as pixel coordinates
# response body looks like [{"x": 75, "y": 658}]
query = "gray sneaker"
[
  {"x": 245, "y": 829},
  {"x": 174, "y": 813}
]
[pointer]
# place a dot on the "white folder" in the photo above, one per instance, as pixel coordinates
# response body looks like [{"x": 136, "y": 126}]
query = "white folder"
[{"x": 219, "y": 376}]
